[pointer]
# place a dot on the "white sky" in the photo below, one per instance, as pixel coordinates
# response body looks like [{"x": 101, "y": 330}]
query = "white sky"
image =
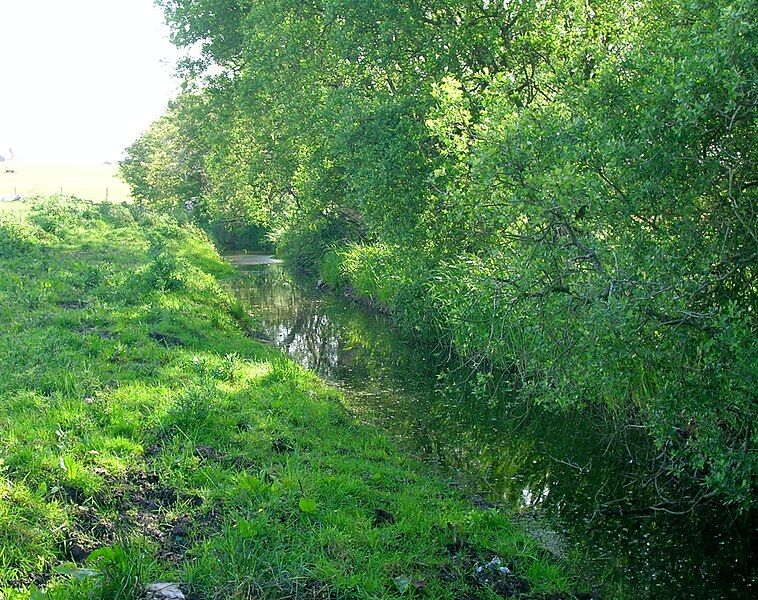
[{"x": 81, "y": 79}]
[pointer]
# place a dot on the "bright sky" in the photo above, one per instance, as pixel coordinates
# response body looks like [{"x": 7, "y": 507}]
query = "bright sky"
[{"x": 81, "y": 79}]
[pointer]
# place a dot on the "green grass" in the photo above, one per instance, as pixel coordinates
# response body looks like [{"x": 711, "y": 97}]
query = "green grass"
[
  {"x": 16, "y": 206},
  {"x": 83, "y": 181},
  {"x": 146, "y": 436}
]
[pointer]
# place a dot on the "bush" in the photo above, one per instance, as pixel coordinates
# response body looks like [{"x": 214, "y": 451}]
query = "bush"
[
  {"x": 18, "y": 237},
  {"x": 57, "y": 214},
  {"x": 165, "y": 272},
  {"x": 303, "y": 245},
  {"x": 118, "y": 215}
]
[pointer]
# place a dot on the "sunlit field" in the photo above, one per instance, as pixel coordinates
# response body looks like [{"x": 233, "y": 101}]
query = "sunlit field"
[{"x": 89, "y": 182}]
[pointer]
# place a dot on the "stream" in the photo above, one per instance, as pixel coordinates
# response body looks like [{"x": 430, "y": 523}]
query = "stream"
[{"x": 577, "y": 479}]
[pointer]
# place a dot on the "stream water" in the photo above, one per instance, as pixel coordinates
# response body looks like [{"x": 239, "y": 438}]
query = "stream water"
[{"x": 580, "y": 481}]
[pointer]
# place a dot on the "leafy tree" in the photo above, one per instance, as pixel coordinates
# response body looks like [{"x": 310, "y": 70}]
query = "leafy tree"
[{"x": 560, "y": 189}]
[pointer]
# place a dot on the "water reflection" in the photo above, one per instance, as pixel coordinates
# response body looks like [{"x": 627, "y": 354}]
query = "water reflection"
[
  {"x": 254, "y": 258},
  {"x": 581, "y": 473}
]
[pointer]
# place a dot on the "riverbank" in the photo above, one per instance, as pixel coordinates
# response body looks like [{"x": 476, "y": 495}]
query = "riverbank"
[
  {"x": 701, "y": 425},
  {"x": 147, "y": 436},
  {"x": 579, "y": 475}
]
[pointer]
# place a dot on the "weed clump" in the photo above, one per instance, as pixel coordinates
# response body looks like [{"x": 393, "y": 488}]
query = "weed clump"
[
  {"x": 19, "y": 237},
  {"x": 57, "y": 215},
  {"x": 164, "y": 272}
]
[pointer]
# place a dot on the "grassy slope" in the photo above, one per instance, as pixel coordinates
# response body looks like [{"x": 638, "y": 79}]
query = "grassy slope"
[
  {"x": 83, "y": 181},
  {"x": 138, "y": 415}
]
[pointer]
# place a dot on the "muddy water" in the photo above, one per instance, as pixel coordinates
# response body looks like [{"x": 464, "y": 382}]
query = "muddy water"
[{"x": 581, "y": 481}]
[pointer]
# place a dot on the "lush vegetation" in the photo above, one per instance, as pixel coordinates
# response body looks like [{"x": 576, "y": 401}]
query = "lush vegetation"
[
  {"x": 561, "y": 190},
  {"x": 146, "y": 436}
]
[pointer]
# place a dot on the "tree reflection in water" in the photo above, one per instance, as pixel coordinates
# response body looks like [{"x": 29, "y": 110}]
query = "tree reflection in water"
[{"x": 583, "y": 473}]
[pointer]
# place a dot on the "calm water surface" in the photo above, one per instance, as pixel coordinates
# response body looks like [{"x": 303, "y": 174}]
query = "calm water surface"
[{"x": 580, "y": 481}]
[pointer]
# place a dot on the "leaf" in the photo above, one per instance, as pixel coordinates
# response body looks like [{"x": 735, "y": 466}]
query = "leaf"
[
  {"x": 106, "y": 553},
  {"x": 35, "y": 594},
  {"x": 248, "y": 529},
  {"x": 307, "y": 505},
  {"x": 72, "y": 570},
  {"x": 402, "y": 582},
  {"x": 251, "y": 484}
]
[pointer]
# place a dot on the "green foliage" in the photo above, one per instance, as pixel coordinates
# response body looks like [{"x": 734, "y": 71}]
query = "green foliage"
[
  {"x": 330, "y": 269},
  {"x": 18, "y": 236},
  {"x": 26, "y": 547},
  {"x": 239, "y": 235},
  {"x": 304, "y": 247},
  {"x": 307, "y": 505},
  {"x": 147, "y": 437},
  {"x": 117, "y": 215},
  {"x": 117, "y": 573},
  {"x": 163, "y": 168},
  {"x": 164, "y": 272},
  {"x": 561, "y": 189},
  {"x": 373, "y": 271},
  {"x": 59, "y": 214}
]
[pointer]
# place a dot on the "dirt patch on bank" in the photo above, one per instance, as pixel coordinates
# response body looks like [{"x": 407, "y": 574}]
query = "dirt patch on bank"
[{"x": 138, "y": 504}]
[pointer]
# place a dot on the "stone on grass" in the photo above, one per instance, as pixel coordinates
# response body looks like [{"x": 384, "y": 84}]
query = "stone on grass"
[{"x": 163, "y": 591}]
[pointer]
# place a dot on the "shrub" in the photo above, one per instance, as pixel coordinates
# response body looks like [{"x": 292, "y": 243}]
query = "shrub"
[
  {"x": 57, "y": 214},
  {"x": 166, "y": 272},
  {"x": 118, "y": 215},
  {"x": 18, "y": 237}
]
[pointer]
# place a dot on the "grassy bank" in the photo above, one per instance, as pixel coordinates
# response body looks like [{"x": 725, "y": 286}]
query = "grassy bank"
[{"x": 146, "y": 436}]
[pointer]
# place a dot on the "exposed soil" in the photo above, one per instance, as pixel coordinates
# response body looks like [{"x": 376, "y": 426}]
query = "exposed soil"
[
  {"x": 166, "y": 339},
  {"x": 382, "y": 517},
  {"x": 139, "y": 504},
  {"x": 37, "y": 579}
]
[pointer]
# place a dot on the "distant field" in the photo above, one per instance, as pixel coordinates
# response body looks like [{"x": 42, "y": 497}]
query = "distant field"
[{"x": 88, "y": 182}]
